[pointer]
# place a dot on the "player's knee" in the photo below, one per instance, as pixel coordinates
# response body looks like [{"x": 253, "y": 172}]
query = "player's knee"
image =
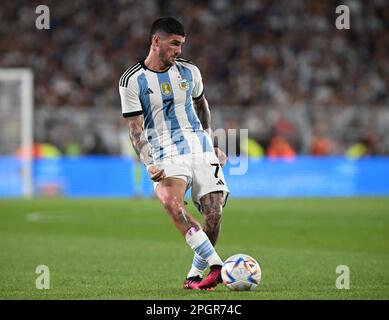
[
  {"x": 170, "y": 203},
  {"x": 167, "y": 202}
]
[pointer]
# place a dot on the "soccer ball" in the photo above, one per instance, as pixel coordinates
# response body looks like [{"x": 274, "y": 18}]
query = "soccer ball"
[{"x": 241, "y": 272}]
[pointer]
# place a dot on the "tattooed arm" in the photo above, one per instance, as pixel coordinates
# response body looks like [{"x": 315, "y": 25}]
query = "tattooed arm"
[
  {"x": 140, "y": 144},
  {"x": 204, "y": 115},
  {"x": 142, "y": 147}
]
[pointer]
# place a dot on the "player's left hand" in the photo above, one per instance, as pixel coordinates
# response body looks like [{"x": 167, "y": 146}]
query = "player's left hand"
[
  {"x": 155, "y": 173},
  {"x": 221, "y": 156}
]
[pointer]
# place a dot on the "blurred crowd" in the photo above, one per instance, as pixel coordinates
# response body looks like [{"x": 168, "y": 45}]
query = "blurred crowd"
[{"x": 278, "y": 68}]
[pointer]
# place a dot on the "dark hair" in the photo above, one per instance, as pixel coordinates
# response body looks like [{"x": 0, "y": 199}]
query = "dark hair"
[{"x": 167, "y": 25}]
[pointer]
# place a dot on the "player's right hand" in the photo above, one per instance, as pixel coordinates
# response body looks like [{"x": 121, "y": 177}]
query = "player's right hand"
[
  {"x": 221, "y": 156},
  {"x": 155, "y": 173}
]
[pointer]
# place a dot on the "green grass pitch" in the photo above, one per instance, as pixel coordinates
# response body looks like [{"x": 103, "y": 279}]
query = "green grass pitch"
[{"x": 129, "y": 249}]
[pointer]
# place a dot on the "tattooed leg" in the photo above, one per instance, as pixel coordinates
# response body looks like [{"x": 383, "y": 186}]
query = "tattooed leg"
[
  {"x": 171, "y": 192},
  {"x": 212, "y": 204}
]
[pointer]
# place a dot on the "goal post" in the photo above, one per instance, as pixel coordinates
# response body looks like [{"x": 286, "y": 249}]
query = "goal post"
[{"x": 20, "y": 82}]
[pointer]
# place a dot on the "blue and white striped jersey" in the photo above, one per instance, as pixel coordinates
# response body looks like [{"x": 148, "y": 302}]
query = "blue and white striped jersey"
[{"x": 165, "y": 100}]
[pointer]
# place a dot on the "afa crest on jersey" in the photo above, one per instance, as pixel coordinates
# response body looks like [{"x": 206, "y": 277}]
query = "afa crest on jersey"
[{"x": 184, "y": 85}]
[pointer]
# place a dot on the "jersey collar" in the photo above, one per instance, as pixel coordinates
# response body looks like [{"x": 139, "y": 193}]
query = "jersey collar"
[{"x": 142, "y": 63}]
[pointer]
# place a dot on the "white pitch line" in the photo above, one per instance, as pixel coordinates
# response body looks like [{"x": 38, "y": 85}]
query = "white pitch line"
[{"x": 52, "y": 217}]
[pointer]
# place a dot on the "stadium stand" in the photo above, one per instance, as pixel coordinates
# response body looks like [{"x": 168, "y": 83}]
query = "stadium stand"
[{"x": 278, "y": 68}]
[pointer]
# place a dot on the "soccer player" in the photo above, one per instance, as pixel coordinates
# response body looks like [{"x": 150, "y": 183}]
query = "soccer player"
[{"x": 168, "y": 118}]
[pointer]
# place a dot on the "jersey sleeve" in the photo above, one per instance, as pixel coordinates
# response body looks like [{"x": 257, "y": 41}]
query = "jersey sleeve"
[
  {"x": 198, "y": 88},
  {"x": 129, "y": 97}
]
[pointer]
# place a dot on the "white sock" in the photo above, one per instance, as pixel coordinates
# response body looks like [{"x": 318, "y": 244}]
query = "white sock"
[
  {"x": 198, "y": 266},
  {"x": 199, "y": 242}
]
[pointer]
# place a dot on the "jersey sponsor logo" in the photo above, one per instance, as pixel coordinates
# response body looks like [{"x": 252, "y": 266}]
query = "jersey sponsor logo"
[
  {"x": 149, "y": 91},
  {"x": 184, "y": 85},
  {"x": 166, "y": 89},
  {"x": 220, "y": 183}
]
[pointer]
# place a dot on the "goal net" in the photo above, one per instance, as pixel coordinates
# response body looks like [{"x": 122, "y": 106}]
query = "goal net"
[{"x": 16, "y": 132}]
